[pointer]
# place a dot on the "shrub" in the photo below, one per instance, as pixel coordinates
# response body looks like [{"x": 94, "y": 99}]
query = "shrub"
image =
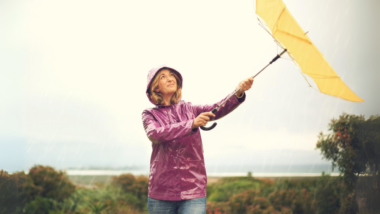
[
  {"x": 328, "y": 194},
  {"x": 218, "y": 208},
  {"x": 12, "y": 199},
  {"x": 103, "y": 199},
  {"x": 223, "y": 190},
  {"x": 251, "y": 202},
  {"x": 44, "y": 181},
  {"x": 136, "y": 186},
  {"x": 125, "y": 181},
  {"x": 40, "y": 205},
  {"x": 140, "y": 187},
  {"x": 239, "y": 202},
  {"x": 255, "y": 209}
]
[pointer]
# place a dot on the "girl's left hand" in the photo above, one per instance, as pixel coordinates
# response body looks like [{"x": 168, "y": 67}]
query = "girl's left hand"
[{"x": 244, "y": 85}]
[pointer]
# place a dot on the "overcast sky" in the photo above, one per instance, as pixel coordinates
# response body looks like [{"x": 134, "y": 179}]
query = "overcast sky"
[{"x": 73, "y": 78}]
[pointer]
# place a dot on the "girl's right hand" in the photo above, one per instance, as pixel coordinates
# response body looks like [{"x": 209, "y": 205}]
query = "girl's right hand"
[{"x": 202, "y": 119}]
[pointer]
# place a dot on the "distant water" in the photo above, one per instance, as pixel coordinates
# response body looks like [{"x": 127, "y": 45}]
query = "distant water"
[{"x": 228, "y": 171}]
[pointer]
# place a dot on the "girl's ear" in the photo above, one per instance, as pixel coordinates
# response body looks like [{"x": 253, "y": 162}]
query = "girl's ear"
[{"x": 157, "y": 90}]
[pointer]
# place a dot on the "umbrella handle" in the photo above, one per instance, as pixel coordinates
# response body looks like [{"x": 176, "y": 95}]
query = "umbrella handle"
[
  {"x": 278, "y": 56},
  {"x": 212, "y": 126},
  {"x": 273, "y": 60}
]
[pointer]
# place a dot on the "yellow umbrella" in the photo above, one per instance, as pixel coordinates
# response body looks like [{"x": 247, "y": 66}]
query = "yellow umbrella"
[{"x": 289, "y": 35}]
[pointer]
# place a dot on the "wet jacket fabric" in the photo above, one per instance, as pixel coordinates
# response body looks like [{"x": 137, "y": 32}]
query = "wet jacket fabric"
[{"x": 177, "y": 167}]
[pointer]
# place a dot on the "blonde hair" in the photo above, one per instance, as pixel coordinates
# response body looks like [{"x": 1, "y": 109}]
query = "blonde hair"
[{"x": 156, "y": 97}]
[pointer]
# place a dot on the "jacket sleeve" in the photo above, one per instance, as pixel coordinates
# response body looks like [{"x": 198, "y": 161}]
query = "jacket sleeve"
[
  {"x": 159, "y": 134},
  {"x": 227, "y": 107}
]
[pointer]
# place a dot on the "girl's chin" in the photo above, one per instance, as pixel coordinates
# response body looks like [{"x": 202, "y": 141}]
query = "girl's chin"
[{"x": 170, "y": 92}]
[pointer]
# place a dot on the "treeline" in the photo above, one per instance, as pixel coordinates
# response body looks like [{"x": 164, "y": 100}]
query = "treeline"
[
  {"x": 47, "y": 191},
  {"x": 353, "y": 146},
  {"x": 249, "y": 195}
]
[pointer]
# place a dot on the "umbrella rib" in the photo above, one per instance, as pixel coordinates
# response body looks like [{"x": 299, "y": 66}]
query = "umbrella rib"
[
  {"x": 268, "y": 31},
  {"x": 299, "y": 68},
  {"x": 278, "y": 18},
  {"x": 265, "y": 28},
  {"x": 278, "y": 43},
  {"x": 323, "y": 77},
  {"x": 284, "y": 32}
]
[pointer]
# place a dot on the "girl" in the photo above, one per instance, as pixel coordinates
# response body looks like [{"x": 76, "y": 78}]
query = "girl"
[{"x": 177, "y": 178}]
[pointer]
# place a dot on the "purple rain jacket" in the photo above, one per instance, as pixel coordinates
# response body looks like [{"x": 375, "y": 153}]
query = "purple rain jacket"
[{"x": 177, "y": 167}]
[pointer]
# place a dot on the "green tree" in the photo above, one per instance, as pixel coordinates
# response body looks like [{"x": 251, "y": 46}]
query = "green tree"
[
  {"x": 328, "y": 193},
  {"x": 354, "y": 147},
  {"x": 46, "y": 182},
  {"x": 12, "y": 199},
  {"x": 46, "y": 189}
]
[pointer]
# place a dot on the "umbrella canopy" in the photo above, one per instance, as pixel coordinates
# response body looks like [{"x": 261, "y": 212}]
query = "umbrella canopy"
[{"x": 288, "y": 34}]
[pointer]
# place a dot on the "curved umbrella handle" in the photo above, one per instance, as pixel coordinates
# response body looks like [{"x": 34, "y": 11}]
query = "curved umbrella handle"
[
  {"x": 212, "y": 126},
  {"x": 208, "y": 128}
]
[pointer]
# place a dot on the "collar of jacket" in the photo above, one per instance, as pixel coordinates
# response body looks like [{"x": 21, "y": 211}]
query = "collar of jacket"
[{"x": 169, "y": 106}]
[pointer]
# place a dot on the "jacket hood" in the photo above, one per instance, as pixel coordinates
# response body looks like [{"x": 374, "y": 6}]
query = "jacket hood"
[{"x": 152, "y": 73}]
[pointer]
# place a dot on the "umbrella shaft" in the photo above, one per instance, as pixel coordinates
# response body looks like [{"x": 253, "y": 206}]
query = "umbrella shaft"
[
  {"x": 273, "y": 60},
  {"x": 261, "y": 70}
]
